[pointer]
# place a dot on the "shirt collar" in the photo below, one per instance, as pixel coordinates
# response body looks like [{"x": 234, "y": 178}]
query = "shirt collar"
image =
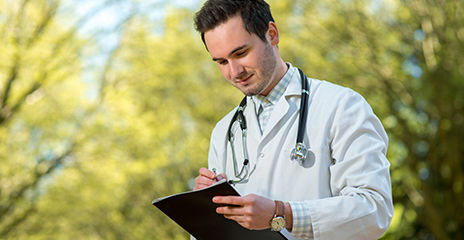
[{"x": 276, "y": 93}]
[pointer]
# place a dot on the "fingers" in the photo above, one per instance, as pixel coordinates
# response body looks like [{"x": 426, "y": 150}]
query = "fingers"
[
  {"x": 231, "y": 210},
  {"x": 251, "y": 211},
  {"x": 202, "y": 182},
  {"x": 207, "y": 173},
  {"x": 207, "y": 178},
  {"x": 229, "y": 200},
  {"x": 234, "y": 206},
  {"x": 243, "y": 220}
]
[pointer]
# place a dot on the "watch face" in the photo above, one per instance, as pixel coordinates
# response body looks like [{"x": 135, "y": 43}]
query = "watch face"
[{"x": 277, "y": 223}]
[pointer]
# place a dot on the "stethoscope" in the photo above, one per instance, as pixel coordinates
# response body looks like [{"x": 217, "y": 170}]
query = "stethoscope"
[{"x": 300, "y": 151}]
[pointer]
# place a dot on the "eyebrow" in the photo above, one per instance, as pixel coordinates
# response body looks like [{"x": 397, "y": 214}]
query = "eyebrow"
[{"x": 232, "y": 52}]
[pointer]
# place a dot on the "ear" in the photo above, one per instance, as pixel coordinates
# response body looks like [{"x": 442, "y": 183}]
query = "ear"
[{"x": 273, "y": 33}]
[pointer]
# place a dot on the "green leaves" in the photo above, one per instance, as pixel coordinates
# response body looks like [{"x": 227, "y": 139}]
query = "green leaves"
[{"x": 75, "y": 166}]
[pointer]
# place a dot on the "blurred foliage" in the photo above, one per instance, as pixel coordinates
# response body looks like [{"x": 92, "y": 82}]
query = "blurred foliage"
[
  {"x": 406, "y": 58},
  {"x": 39, "y": 118},
  {"x": 73, "y": 166}
]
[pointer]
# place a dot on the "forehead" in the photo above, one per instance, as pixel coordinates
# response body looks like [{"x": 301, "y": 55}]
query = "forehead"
[{"x": 224, "y": 38}]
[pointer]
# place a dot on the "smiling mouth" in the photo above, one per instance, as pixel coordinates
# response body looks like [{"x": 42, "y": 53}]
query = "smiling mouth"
[{"x": 244, "y": 81}]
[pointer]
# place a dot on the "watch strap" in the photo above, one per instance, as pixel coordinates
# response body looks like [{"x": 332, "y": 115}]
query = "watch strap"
[{"x": 279, "y": 209}]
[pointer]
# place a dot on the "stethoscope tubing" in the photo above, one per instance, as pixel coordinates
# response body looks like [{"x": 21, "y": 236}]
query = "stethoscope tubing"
[
  {"x": 238, "y": 116},
  {"x": 303, "y": 107}
]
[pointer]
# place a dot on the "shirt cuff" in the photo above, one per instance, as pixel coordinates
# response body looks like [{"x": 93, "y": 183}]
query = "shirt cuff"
[{"x": 302, "y": 227}]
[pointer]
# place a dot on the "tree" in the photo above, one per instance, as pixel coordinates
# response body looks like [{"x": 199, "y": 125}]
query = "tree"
[
  {"x": 29, "y": 74},
  {"x": 74, "y": 169},
  {"x": 43, "y": 103},
  {"x": 147, "y": 139},
  {"x": 405, "y": 57}
]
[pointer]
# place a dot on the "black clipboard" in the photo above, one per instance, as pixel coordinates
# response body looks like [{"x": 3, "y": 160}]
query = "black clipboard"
[{"x": 195, "y": 212}]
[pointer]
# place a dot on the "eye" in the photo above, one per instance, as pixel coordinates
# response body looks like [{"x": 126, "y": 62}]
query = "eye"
[
  {"x": 241, "y": 53},
  {"x": 222, "y": 62}
]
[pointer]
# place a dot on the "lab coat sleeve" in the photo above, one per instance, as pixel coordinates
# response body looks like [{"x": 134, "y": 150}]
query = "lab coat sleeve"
[
  {"x": 214, "y": 160},
  {"x": 218, "y": 144},
  {"x": 361, "y": 204}
]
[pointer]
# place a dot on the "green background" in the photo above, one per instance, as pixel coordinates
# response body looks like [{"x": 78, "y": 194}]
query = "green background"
[{"x": 93, "y": 129}]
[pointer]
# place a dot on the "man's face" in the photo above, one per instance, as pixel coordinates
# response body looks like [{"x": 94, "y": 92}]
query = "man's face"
[{"x": 246, "y": 61}]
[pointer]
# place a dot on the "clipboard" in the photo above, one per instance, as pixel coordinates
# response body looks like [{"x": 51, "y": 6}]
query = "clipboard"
[{"x": 196, "y": 213}]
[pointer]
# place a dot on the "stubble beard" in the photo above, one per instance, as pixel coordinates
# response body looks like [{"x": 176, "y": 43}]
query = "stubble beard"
[{"x": 267, "y": 67}]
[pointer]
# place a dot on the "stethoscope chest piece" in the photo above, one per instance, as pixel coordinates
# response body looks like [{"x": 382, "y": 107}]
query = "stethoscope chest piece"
[
  {"x": 303, "y": 156},
  {"x": 299, "y": 153}
]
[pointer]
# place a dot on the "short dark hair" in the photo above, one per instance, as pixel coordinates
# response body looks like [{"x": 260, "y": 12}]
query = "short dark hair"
[{"x": 256, "y": 15}]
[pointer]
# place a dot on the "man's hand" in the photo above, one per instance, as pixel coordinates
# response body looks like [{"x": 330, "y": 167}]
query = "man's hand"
[
  {"x": 207, "y": 178},
  {"x": 251, "y": 211}
]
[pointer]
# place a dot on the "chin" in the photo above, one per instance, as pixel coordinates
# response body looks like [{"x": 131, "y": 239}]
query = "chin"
[{"x": 249, "y": 90}]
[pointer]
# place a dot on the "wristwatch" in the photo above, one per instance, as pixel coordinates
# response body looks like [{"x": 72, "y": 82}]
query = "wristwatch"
[{"x": 278, "y": 221}]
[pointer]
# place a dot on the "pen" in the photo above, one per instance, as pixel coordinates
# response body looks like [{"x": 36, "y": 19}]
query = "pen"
[{"x": 215, "y": 174}]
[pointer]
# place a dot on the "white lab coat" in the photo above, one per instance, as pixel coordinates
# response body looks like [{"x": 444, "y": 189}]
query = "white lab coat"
[{"x": 345, "y": 181}]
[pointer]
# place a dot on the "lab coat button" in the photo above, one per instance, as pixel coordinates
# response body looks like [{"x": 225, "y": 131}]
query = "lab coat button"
[{"x": 261, "y": 155}]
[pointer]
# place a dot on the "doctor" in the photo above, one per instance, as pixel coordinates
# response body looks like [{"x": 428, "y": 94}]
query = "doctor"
[{"x": 340, "y": 188}]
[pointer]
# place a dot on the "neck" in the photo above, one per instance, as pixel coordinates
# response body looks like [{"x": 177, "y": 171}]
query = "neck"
[{"x": 281, "y": 69}]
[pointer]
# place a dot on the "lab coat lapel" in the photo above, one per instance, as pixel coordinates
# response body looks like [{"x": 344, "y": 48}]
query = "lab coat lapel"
[
  {"x": 254, "y": 132},
  {"x": 282, "y": 107}
]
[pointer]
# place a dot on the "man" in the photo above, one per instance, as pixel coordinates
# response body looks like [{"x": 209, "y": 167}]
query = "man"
[{"x": 341, "y": 189}]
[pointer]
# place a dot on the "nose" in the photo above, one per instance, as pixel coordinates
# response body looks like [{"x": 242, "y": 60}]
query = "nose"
[{"x": 236, "y": 69}]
